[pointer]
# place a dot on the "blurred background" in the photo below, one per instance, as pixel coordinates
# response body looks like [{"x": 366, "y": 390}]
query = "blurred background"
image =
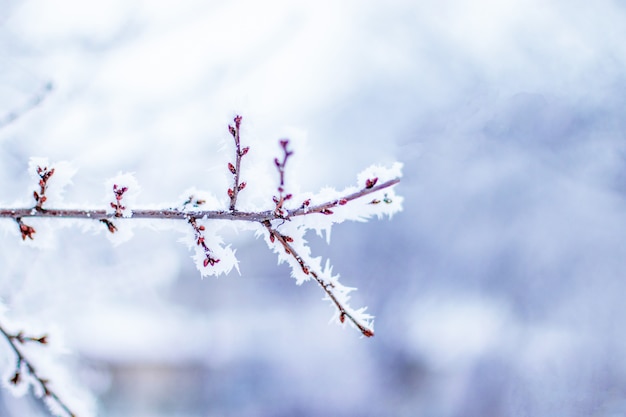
[{"x": 498, "y": 291}]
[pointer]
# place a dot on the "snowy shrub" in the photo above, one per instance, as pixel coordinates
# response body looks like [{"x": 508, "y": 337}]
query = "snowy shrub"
[{"x": 282, "y": 221}]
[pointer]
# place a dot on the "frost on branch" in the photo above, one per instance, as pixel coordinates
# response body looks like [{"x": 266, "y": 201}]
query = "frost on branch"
[
  {"x": 62, "y": 396},
  {"x": 286, "y": 233},
  {"x": 283, "y": 222}
]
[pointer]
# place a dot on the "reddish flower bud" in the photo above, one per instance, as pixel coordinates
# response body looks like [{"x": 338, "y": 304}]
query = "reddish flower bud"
[
  {"x": 342, "y": 317},
  {"x": 201, "y": 228},
  {"x": 369, "y": 183},
  {"x": 343, "y": 202},
  {"x": 288, "y": 238},
  {"x": 232, "y": 130},
  {"x": 307, "y": 202},
  {"x": 16, "y": 378},
  {"x": 237, "y": 121},
  {"x": 288, "y": 196},
  {"x": 231, "y": 193},
  {"x": 231, "y": 168},
  {"x": 244, "y": 151},
  {"x": 367, "y": 333},
  {"x": 242, "y": 186},
  {"x": 272, "y": 237},
  {"x": 206, "y": 262},
  {"x": 36, "y": 196},
  {"x": 326, "y": 211}
]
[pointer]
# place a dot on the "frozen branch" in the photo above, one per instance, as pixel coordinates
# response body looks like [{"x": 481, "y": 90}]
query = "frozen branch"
[
  {"x": 328, "y": 287},
  {"x": 236, "y": 169},
  {"x": 176, "y": 214},
  {"x": 23, "y": 364},
  {"x": 283, "y": 222}
]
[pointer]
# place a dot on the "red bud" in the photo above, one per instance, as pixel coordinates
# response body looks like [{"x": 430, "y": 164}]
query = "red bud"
[
  {"x": 231, "y": 168},
  {"x": 369, "y": 183}
]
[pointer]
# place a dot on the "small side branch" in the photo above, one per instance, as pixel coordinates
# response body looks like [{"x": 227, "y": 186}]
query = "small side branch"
[
  {"x": 209, "y": 259},
  {"x": 328, "y": 287},
  {"x": 325, "y": 208},
  {"x": 236, "y": 168},
  {"x": 44, "y": 176},
  {"x": 279, "y": 211},
  {"x": 23, "y": 364}
]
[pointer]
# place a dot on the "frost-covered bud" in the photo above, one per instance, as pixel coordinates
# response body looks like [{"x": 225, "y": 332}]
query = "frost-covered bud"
[{"x": 369, "y": 183}]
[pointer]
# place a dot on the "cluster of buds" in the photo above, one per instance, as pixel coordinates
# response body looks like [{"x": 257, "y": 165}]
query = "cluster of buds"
[
  {"x": 26, "y": 230},
  {"x": 44, "y": 175},
  {"x": 117, "y": 204},
  {"x": 209, "y": 259},
  {"x": 236, "y": 167}
]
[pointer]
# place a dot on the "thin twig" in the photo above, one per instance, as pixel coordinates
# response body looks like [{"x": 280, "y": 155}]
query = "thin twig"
[
  {"x": 23, "y": 361},
  {"x": 236, "y": 169},
  {"x": 326, "y": 286},
  {"x": 176, "y": 214}
]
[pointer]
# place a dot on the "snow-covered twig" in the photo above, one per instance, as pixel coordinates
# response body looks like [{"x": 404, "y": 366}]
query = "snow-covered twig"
[
  {"x": 23, "y": 364},
  {"x": 236, "y": 169},
  {"x": 176, "y": 214},
  {"x": 281, "y": 222},
  {"x": 328, "y": 287}
]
